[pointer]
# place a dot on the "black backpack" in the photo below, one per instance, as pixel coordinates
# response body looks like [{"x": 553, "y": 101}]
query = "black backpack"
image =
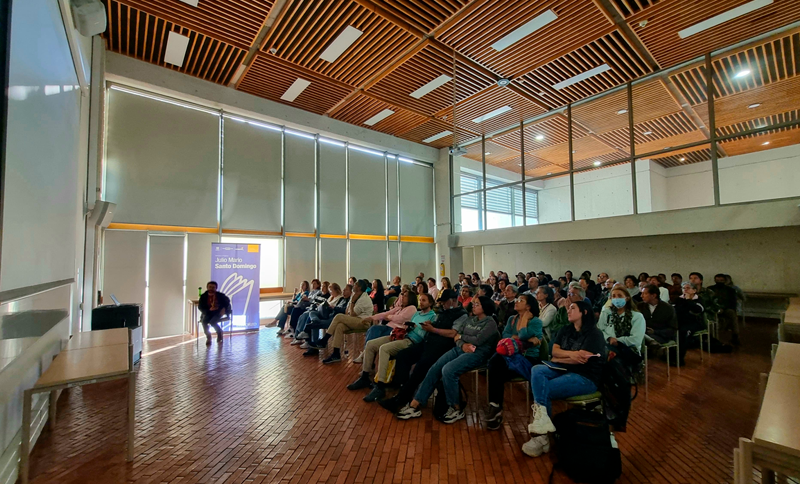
[
  {"x": 440, "y": 405},
  {"x": 616, "y": 390},
  {"x": 584, "y": 447}
]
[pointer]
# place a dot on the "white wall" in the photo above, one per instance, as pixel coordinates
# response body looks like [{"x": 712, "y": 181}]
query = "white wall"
[
  {"x": 758, "y": 260},
  {"x": 762, "y": 175}
]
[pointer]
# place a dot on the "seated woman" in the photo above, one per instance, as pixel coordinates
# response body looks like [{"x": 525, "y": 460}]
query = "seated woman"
[
  {"x": 391, "y": 319},
  {"x": 322, "y": 318},
  {"x": 378, "y": 296},
  {"x": 330, "y": 302},
  {"x": 446, "y": 284},
  {"x": 547, "y": 310},
  {"x": 421, "y": 289},
  {"x": 315, "y": 296},
  {"x": 476, "y": 338},
  {"x": 386, "y": 347},
  {"x": 286, "y": 310},
  {"x": 576, "y": 367},
  {"x": 690, "y": 316},
  {"x": 631, "y": 285},
  {"x": 623, "y": 326},
  {"x": 465, "y": 299},
  {"x": 526, "y": 329},
  {"x": 500, "y": 293}
]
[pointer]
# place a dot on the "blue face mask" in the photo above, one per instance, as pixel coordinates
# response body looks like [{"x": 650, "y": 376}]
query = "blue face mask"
[{"x": 618, "y": 302}]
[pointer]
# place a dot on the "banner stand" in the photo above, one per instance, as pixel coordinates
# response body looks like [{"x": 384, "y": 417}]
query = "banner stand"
[{"x": 236, "y": 269}]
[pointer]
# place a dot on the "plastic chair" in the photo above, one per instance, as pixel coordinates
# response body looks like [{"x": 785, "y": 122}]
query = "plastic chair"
[
  {"x": 225, "y": 318},
  {"x": 584, "y": 401},
  {"x": 707, "y": 334},
  {"x": 351, "y": 332},
  {"x": 390, "y": 302},
  {"x": 518, "y": 379},
  {"x": 475, "y": 372}
]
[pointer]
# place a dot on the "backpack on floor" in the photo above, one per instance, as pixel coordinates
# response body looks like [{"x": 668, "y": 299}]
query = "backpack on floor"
[
  {"x": 440, "y": 405},
  {"x": 585, "y": 448},
  {"x": 615, "y": 386}
]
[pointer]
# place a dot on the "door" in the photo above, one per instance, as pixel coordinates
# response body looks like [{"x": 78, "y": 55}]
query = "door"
[{"x": 166, "y": 299}]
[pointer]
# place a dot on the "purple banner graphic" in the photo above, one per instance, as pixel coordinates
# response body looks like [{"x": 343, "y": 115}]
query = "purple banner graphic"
[{"x": 236, "y": 269}]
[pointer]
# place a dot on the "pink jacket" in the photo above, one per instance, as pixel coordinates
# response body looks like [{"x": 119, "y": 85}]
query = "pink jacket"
[{"x": 396, "y": 316}]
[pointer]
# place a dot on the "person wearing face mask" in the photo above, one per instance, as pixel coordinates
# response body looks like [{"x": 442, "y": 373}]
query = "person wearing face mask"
[{"x": 623, "y": 326}]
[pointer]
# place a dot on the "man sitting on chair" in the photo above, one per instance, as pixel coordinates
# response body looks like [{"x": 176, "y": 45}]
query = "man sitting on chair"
[{"x": 214, "y": 306}]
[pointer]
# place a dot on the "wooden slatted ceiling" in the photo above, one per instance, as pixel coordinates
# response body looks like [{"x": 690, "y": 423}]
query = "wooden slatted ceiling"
[
  {"x": 488, "y": 100},
  {"x": 425, "y": 15},
  {"x": 497, "y": 152},
  {"x": 772, "y": 61},
  {"x": 630, "y": 7},
  {"x": 753, "y": 143},
  {"x": 579, "y": 22},
  {"x": 667, "y": 18},
  {"x": 360, "y": 108},
  {"x": 425, "y": 66},
  {"x": 611, "y": 49},
  {"x": 671, "y": 130},
  {"x": 553, "y": 128},
  {"x": 144, "y": 36},
  {"x": 234, "y": 22},
  {"x": 789, "y": 116},
  {"x": 308, "y": 28},
  {"x": 269, "y": 77},
  {"x": 435, "y": 126},
  {"x": 683, "y": 157},
  {"x": 587, "y": 149}
]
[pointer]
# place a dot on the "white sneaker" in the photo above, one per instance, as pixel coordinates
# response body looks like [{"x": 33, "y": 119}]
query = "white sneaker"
[
  {"x": 296, "y": 342},
  {"x": 288, "y": 334},
  {"x": 453, "y": 415},
  {"x": 281, "y": 332},
  {"x": 408, "y": 412},
  {"x": 302, "y": 335},
  {"x": 538, "y": 445},
  {"x": 304, "y": 346},
  {"x": 541, "y": 421},
  {"x": 360, "y": 358}
]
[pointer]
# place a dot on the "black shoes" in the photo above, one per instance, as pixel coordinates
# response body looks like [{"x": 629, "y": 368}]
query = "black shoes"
[
  {"x": 362, "y": 382},
  {"x": 311, "y": 352},
  {"x": 377, "y": 393},
  {"x": 391, "y": 404},
  {"x": 494, "y": 417}
]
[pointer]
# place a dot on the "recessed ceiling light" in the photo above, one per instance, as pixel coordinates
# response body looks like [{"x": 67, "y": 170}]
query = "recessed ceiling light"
[
  {"x": 742, "y": 73},
  {"x": 622, "y": 111},
  {"x": 526, "y": 29},
  {"x": 176, "y": 49},
  {"x": 295, "y": 89},
  {"x": 753, "y": 106},
  {"x": 539, "y": 137},
  {"x": 492, "y": 114},
  {"x": 439, "y": 81},
  {"x": 646, "y": 133},
  {"x": 437, "y": 136},
  {"x": 723, "y": 17},
  {"x": 574, "y": 151},
  {"x": 342, "y": 42},
  {"x": 765, "y": 143},
  {"x": 682, "y": 158},
  {"x": 487, "y": 153},
  {"x": 581, "y": 77},
  {"x": 519, "y": 164},
  {"x": 549, "y": 172},
  {"x": 379, "y": 117},
  {"x": 598, "y": 163}
]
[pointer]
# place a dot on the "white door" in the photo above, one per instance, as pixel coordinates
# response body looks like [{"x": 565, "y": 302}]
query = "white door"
[{"x": 166, "y": 291}]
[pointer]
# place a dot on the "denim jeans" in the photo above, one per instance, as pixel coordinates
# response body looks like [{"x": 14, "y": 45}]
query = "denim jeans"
[
  {"x": 305, "y": 318},
  {"x": 449, "y": 368},
  {"x": 313, "y": 327},
  {"x": 548, "y": 384},
  {"x": 377, "y": 331}
]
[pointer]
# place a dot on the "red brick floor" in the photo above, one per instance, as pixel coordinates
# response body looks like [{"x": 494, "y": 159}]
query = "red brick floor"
[{"x": 254, "y": 410}]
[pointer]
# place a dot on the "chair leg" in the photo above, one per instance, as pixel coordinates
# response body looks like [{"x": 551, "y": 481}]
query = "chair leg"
[
  {"x": 667, "y": 363},
  {"x": 646, "y": 375},
  {"x": 678, "y": 354},
  {"x": 527, "y": 397}
]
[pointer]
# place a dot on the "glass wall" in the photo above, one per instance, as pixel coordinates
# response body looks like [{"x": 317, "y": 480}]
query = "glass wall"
[{"x": 721, "y": 129}]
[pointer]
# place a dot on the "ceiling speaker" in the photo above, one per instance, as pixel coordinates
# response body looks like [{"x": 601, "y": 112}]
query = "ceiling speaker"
[{"x": 89, "y": 16}]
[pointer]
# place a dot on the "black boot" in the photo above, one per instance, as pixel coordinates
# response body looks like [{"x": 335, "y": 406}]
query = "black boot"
[
  {"x": 392, "y": 404},
  {"x": 334, "y": 358},
  {"x": 363, "y": 381},
  {"x": 377, "y": 393},
  {"x": 323, "y": 343}
]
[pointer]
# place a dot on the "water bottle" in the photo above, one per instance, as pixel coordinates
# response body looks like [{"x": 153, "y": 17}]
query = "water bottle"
[{"x": 199, "y": 291}]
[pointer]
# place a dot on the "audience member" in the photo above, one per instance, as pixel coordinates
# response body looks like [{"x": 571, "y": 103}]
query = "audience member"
[
  {"x": 500, "y": 293},
  {"x": 659, "y": 317},
  {"x": 623, "y": 326},
  {"x": 386, "y": 347},
  {"x": 421, "y": 288},
  {"x": 466, "y": 296},
  {"x": 643, "y": 277},
  {"x": 476, "y": 339},
  {"x": 356, "y": 317},
  {"x": 632, "y": 285},
  {"x": 432, "y": 289},
  {"x": 568, "y": 278},
  {"x": 484, "y": 290},
  {"x": 533, "y": 284},
  {"x": 547, "y": 310},
  {"x": 315, "y": 296},
  {"x": 394, "y": 289},
  {"x": 663, "y": 293},
  {"x": 676, "y": 289},
  {"x": 689, "y": 312},
  {"x": 575, "y": 369},
  {"x": 378, "y": 296},
  {"x": 391, "y": 319},
  {"x": 726, "y": 299},
  {"x": 322, "y": 318},
  {"x": 286, "y": 310},
  {"x": 476, "y": 279},
  {"x": 517, "y": 353},
  {"x": 422, "y": 357},
  {"x": 506, "y": 307},
  {"x": 461, "y": 282}
]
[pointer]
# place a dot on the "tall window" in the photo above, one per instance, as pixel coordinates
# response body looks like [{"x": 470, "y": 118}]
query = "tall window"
[{"x": 503, "y": 205}]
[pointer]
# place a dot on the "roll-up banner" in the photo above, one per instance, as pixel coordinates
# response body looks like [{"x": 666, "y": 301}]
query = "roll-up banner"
[{"x": 236, "y": 268}]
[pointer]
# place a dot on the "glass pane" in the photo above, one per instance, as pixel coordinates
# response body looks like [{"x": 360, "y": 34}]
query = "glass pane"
[
  {"x": 604, "y": 191},
  {"x": 504, "y": 207},
  {"x": 599, "y": 130},
  {"x": 675, "y": 179},
  {"x": 546, "y": 145},
  {"x": 467, "y": 173},
  {"x": 552, "y": 197},
  {"x": 271, "y": 270},
  {"x": 762, "y": 166},
  {"x": 468, "y": 212}
]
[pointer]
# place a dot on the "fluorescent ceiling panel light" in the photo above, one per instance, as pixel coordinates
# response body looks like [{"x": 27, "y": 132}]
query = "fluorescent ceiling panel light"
[
  {"x": 439, "y": 81},
  {"x": 193, "y": 3},
  {"x": 437, "y": 136},
  {"x": 647, "y": 133},
  {"x": 487, "y": 153},
  {"x": 622, "y": 111},
  {"x": 581, "y": 77},
  {"x": 341, "y": 44},
  {"x": 742, "y": 73},
  {"x": 753, "y": 106},
  {"x": 496, "y": 112},
  {"x": 176, "y": 49},
  {"x": 539, "y": 137},
  {"x": 295, "y": 89},
  {"x": 723, "y": 17},
  {"x": 379, "y": 117},
  {"x": 526, "y": 29}
]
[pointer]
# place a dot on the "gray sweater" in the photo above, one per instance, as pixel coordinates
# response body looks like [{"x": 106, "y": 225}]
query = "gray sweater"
[{"x": 481, "y": 333}]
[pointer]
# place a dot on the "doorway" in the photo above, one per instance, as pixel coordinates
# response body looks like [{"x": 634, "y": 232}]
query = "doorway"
[{"x": 166, "y": 285}]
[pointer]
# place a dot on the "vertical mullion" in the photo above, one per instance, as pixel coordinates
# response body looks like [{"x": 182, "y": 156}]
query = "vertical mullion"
[
  {"x": 522, "y": 158},
  {"x": 399, "y": 235},
  {"x": 712, "y": 126},
  {"x": 571, "y": 164},
  {"x": 386, "y": 220},
  {"x": 347, "y": 203},
  {"x": 220, "y": 174},
  {"x": 484, "y": 216},
  {"x": 318, "y": 248},
  {"x": 632, "y": 141},
  {"x": 283, "y": 200},
  {"x": 452, "y": 197}
]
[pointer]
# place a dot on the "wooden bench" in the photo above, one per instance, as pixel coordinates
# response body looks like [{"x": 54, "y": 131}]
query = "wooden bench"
[
  {"x": 789, "y": 329},
  {"x": 775, "y": 445},
  {"x": 90, "y": 357}
]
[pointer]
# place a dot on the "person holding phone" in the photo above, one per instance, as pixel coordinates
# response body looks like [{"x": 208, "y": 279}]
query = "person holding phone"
[
  {"x": 575, "y": 368},
  {"x": 286, "y": 310}
]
